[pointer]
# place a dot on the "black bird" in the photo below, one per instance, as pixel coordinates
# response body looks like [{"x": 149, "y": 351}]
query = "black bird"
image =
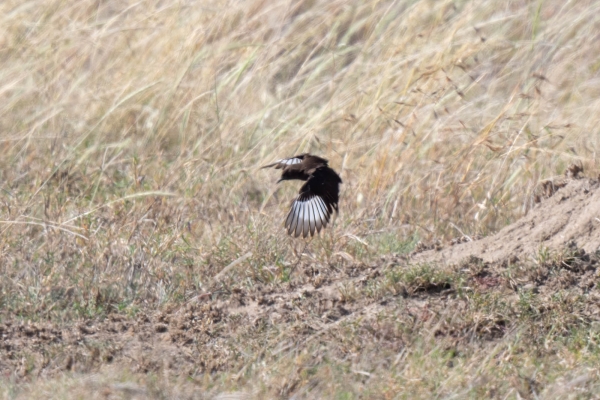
[{"x": 318, "y": 197}]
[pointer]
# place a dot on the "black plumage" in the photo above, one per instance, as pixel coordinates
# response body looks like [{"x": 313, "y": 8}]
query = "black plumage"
[{"x": 311, "y": 210}]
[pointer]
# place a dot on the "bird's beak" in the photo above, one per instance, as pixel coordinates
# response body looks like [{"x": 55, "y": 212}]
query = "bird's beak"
[{"x": 279, "y": 180}]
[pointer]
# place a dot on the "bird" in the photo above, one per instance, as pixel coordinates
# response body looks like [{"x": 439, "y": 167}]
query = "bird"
[{"x": 311, "y": 211}]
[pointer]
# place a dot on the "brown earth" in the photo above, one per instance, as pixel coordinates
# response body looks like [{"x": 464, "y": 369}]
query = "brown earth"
[
  {"x": 233, "y": 327},
  {"x": 568, "y": 215}
]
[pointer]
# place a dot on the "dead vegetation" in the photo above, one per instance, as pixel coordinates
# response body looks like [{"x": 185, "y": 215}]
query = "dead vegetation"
[{"x": 141, "y": 251}]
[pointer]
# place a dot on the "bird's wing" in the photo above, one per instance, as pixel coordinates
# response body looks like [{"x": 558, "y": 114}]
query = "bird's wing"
[
  {"x": 308, "y": 213},
  {"x": 285, "y": 162},
  {"x": 312, "y": 209}
]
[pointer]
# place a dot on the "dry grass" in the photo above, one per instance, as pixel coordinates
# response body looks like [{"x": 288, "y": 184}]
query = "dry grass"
[{"x": 132, "y": 133}]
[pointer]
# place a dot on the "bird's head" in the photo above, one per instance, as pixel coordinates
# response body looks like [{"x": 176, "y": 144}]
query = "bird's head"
[{"x": 288, "y": 175}]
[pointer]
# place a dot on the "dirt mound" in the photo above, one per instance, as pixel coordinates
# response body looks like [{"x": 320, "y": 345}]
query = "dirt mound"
[{"x": 568, "y": 214}]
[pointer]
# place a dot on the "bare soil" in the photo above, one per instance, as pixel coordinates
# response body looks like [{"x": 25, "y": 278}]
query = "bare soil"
[{"x": 567, "y": 213}]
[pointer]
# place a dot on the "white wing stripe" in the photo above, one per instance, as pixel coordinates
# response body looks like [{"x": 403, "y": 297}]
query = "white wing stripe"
[
  {"x": 313, "y": 218},
  {"x": 300, "y": 219},
  {"x": 291, "y": 217},
  {"x": 288, "y": 220},
  {"x": 289, "y": 161},
  {"x": 306, "y": 227},
  {"x": 295, "y": 218},
  {"x": 298, "y": 225},
  {"x": 318, "y": 214},
  {"x": 324, "y": 213},
  {"x": 318, "y": 211}
]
